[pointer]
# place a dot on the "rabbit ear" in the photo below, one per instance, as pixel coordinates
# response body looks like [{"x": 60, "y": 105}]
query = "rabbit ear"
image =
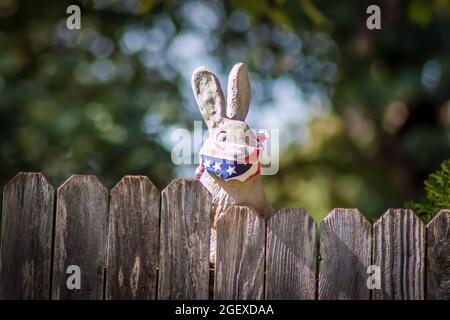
[
  {"x": 238, "y": 93},
  {"x": 209, "y": 96}
]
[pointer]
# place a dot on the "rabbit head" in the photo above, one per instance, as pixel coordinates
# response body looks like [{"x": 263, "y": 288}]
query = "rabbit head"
[{"x": 224, "y": 123}]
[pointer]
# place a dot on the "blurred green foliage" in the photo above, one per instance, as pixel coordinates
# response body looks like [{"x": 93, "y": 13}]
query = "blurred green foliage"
[
  {"x": 365, "y": 113},
  {"x": 437, "y": 195}
]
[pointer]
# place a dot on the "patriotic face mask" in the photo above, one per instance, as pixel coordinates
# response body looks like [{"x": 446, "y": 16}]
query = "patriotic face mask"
[{"x": 230, "y": 160}]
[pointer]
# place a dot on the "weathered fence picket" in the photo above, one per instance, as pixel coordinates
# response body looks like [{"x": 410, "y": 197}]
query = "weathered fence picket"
[
  {"x": 399, "y": 250},
  {"x": 80, "y": 238},
  {"x": 240, "y": 255},
  {"x": 137, "y": 243},
  {"x": 184, "y": 241},
  {"x": 291, "y": 256},
  {"x": 438, "y": 257},
  {"x": 133, "y": 239},
  {"x": 27, "y": 223},
  {"x": 345, "y": 255}
]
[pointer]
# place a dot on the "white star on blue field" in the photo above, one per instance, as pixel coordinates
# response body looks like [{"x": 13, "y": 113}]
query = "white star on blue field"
[{"x": 224, "y": 168}]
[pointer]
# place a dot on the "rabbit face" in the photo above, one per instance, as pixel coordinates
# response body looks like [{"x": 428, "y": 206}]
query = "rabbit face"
[
  {"x": 233, "y": 131},
  {"x": 224, "y": 124}
]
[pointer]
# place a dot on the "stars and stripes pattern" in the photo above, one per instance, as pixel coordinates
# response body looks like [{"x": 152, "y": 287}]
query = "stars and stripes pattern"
[
  {"x": 227, "y": 169},
  {"x": 230, "y": 161}
]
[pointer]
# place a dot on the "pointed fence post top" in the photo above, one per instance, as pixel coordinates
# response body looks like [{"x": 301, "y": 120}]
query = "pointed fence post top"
[
  {"x": 134, "y": 180},
  {"x": 24, "y": 178},
  {"x": 344, "y": 214},
  {"x": 397, "y": 214},
  {"x": 79, "y": 179}
]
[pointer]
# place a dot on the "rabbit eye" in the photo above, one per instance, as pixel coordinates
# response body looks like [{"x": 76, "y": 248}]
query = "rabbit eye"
[{"x": 222, "y": 136}]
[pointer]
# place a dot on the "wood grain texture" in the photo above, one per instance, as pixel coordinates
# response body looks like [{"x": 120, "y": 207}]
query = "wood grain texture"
[
  {"x": 239, "y": 272},
  {"x": 345, "y": 253},
  {"x": 399, "y": 250},
  {"x": 133, "y": 239},
  {"x": 438, "y": 257},
  {"x": 184, "y": 241},
  {"x": 80, "y": 237},
  {"x": 27, "y": 230},
  {"x": 291, "y": 256}
]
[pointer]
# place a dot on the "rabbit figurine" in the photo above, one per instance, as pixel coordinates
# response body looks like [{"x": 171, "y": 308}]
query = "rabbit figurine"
[{"x": 229, "y": 167}]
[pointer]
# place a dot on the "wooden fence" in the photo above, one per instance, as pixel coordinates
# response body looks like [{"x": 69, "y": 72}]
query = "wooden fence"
[{"x": 135, "y": 242}]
